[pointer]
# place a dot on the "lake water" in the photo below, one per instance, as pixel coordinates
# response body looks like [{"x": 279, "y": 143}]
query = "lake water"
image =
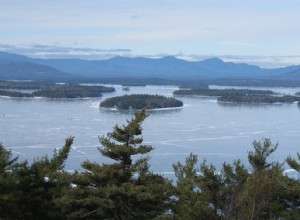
[{"x": 217, "y": 132}]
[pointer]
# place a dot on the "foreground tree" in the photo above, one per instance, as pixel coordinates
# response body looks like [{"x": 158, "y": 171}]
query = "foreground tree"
[
  {"x": 264, "y": 189},
  {"x": 125, "y": 189},
  {"x": 187, "y": 200},
  {"x": 293, "y": 187},
  {"x": 39, "y": 184},
  {"x": 235, "y": 193},
  {"x": 8, "y": 183},
  {"x": 294, "y": 163}
]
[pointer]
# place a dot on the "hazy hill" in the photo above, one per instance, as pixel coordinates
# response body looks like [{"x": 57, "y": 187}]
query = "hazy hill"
[
  {"x": 13, "y": 57},
  {"x": 292, "y": 75},
  {"x": 164, "y": 68},
  {"x": 13, "y": 70}
]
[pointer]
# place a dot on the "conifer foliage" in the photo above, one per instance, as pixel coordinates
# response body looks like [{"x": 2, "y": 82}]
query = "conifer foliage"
[
  {"x": 261, "y": 192},
  {"x": 124, "y": 142},
  {"x": 28, "y": 191},
  {"x": 125, "y": 189}
]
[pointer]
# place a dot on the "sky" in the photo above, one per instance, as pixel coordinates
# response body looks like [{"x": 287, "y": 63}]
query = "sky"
[{"x": 262, "y": 32}]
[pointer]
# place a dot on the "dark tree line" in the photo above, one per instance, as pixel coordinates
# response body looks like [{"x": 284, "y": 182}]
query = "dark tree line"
[
  {"x": 259, "y": 99},
  {"x": 24, "y": 85},
  {"x": 127, "y": 189},
  {"x": 14, "y": 94},
  {"x": 73, "y": 91},
  {"x": 136, "y": 101},
  {"x": 52, "y": 90},
  {"x": 240, "y": 95},
  {"x": 222, "y": 92}
]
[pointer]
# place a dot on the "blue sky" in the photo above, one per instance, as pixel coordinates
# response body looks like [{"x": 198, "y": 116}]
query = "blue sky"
[{"x": 267, "y": 31}]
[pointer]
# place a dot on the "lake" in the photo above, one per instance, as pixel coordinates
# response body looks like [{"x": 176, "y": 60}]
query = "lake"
[{"x": 218, "y": 132}]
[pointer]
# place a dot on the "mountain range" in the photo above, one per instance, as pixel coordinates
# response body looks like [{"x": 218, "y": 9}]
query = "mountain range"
[{"x": 19, "y": 67}]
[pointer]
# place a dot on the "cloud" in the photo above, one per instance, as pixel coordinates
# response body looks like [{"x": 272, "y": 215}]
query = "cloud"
[
  {"x": 6, "y": 47},
  {"x": 56, "y": 51},
  {"x": 262, "y": 61},
  {"x": 164, "y": 26},
  {"x": 136, "y": 17},
  {"x": 237, "y": 43}
]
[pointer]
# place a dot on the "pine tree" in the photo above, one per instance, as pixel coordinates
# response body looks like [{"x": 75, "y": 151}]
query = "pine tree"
[
  {"x": 235, "y": 192},
  {"x": 264, "y": 191},
  {"x": 294, "y": 164},
  {"x": 39, "y": 184},
  {"x": 197, "y": 194},
  {"x": 8, "y": 184},
  {"x": 293, "y": 188},
  {"x": 125, "y": 189},
  {"x": 125, "y": 141},
  {"x": 187, "y": 200},
  {"x": 234, "y": 178}
]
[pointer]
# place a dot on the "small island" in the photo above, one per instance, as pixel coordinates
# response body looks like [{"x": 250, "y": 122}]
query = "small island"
[{"x": 140, "y": 101}]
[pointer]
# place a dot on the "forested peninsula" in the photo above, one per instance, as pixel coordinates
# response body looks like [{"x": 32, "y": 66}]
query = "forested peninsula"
[
  {"x": 140, "y": 101},
  {"x": 127, "y": 189},
  {"x": 221, "y": 92},
  {"x": 259, "y": 99},
  {"x": 240, "y": 95},
  {"x": 51, "y": 90}
]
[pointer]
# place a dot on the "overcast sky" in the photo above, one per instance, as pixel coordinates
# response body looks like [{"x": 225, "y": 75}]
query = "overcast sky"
[{"x": 240, "y": 28}]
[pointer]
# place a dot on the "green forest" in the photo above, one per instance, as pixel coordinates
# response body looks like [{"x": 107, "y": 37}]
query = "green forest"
[
  {"x": 140, "y": 101},
  {"x": 127, "y": 189}
]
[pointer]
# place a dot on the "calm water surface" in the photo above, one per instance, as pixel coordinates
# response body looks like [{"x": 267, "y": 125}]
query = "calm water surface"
[{"x": 217, "y": 132}]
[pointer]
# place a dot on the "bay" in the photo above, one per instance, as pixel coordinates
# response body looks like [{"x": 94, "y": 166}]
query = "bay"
[{"x": 33, "y": 127}]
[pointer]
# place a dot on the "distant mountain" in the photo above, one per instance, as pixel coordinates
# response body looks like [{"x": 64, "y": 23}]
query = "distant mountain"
[
  {"x": 291, "y": 75},
  {"x": 14, "y": 70},
  {"x": 163, "y": 68},
  {"x": 13, "y": 57}
]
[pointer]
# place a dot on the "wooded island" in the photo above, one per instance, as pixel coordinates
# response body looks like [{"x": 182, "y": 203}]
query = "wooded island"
[{"x": 137, "y": 101}]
